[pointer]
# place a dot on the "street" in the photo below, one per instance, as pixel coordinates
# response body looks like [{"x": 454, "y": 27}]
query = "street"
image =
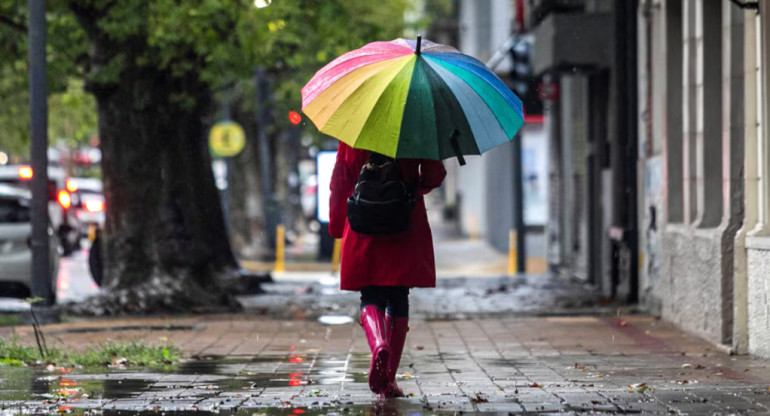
[
  {"x": 253, "y": 364},
  {"x": 481, "y": 343},
  {"x": 74, "y": 282}
]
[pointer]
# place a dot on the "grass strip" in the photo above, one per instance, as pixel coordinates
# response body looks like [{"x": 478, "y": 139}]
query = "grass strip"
[{"x": 111, "y": 353}]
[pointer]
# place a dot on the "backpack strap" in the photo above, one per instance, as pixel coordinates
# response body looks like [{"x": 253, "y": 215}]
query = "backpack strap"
[{"x": 379, "y": 159}]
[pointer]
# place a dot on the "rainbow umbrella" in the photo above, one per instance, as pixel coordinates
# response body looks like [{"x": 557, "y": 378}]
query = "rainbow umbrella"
[{"x": 412, "y": 99}]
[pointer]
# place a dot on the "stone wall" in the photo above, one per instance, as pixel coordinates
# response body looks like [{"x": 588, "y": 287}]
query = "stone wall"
[
  {"x": 690, "y": 287},
  {"x": 759, "y": 301}
]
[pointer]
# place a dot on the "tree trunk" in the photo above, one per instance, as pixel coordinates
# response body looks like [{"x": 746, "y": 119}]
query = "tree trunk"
[{"x": 166, "y": 248}]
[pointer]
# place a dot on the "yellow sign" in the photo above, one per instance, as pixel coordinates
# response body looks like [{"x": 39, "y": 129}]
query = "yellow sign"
[{"x": 226, "y": 139}]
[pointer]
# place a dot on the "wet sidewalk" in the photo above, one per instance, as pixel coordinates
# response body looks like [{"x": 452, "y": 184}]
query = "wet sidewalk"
[{"x": 249, "y": 364}]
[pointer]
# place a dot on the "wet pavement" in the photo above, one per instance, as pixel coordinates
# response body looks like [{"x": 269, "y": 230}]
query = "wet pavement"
[
  {"x": 251, "y": 364},
  {"x": 452, "y": 298}
]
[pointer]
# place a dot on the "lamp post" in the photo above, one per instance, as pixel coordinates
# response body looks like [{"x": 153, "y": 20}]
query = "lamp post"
[{"x": 38, "y": 112}]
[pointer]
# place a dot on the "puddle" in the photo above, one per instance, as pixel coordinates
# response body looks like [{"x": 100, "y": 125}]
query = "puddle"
[
  {"x": 39, "y": 384},
  {"x": 395, "y": 408},
  {"x": 32, "y": 390},
  {"x": 335, "y": 319}
]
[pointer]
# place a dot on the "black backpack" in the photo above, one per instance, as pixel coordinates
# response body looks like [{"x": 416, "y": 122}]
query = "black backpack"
[{"x": 381, "y": 202}]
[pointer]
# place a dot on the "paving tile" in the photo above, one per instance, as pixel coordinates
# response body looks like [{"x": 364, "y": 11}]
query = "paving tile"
[{"x": 474, "y": 365}]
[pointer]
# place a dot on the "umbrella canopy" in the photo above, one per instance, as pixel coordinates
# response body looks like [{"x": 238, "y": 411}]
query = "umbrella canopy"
[{"x": 412, "y": 99}]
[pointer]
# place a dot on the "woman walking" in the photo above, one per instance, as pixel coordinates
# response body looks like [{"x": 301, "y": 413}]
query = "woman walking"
[{"x": 384, "y": 267}]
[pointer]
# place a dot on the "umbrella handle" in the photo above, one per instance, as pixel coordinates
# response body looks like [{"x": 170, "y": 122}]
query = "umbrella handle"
[{"x": 456, "y": 146}]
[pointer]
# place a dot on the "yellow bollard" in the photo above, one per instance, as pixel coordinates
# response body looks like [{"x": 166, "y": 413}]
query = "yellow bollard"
[
  {"x": 91, "y": 232},
  {"x": 512, "y": 253},
  {"x": 280, "y": 242},
  {"x": 336, "y": 255},
  {"x": 473, "y": 229}
]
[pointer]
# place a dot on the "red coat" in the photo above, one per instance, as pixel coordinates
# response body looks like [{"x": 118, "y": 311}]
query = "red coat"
[{"x": 404, "y": 259}]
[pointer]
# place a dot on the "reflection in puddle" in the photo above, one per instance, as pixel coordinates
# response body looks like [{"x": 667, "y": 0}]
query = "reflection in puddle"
[
  {"x": 245, "y": 383},
  {"x": 335, "y": 319}
]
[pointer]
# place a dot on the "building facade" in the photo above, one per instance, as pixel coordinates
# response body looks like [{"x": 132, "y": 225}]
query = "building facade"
[
  {"x": 703, "y": 166},
  {"x": 655, "y": 115},
  {"x": 584, "y": 52}
]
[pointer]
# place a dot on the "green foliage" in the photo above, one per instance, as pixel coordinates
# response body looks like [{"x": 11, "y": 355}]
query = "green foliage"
[
  {"x": 111, "y": 353},
  {"x": 221, "y": 41},
  {"x": 66, "y": 47},
  {"x": 72, "y": 114},
  {"x": 10, "y": 319},
  {"x": 131, "y": 353},
  {"x": 13, "y": 354}
]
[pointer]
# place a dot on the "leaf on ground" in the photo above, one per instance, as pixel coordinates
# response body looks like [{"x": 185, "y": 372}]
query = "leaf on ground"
[
  {"x": 535, "y": 385},
  {"x": 479, "y": 398}
]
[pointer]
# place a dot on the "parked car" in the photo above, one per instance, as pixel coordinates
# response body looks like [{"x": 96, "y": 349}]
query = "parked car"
[
  {"x": 15, "y": 247},
  {"x": 63, "y": 220},
  {"x": 88, "y": 204}
]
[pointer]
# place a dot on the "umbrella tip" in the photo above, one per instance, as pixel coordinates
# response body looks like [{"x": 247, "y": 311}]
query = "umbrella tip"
[{"x": 417, "y": 48}]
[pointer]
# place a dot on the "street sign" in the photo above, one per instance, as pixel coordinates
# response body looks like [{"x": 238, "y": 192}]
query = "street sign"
[{"x": 226, "y": 139}]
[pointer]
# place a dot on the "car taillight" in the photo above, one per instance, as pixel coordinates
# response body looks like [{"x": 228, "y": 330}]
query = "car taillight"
[
  {"x": 94, "y": 206},
  {"x": 25, "y": 173},
  {"x": 64, "y": 198},
  {"x": 72, "y": 186}
]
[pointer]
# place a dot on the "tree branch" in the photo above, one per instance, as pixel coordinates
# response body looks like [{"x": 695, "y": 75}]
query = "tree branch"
[{"x": 21, "y": 27}]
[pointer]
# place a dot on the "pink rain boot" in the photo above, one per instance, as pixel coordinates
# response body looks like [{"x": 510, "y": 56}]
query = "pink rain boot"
[
  {"x": 373, "y": 322},
  {"x": 397, "y": 329}
]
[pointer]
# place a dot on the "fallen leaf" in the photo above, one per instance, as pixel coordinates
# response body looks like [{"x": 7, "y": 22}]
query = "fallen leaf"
[
  {"x": 419, "y": 347},
  {"x": 480, "y": 398},
  {"x": 535, "y": 385}
]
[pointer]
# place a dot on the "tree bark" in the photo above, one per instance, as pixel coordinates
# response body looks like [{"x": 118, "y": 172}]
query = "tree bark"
[{"x": 165, "y": 244}]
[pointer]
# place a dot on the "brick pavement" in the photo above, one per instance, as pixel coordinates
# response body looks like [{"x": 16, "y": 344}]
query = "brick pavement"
[{"x": 245, "y": 364}]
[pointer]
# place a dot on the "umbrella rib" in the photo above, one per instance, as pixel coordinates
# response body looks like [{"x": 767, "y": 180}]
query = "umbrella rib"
[
  {"x": 478, "y": 69},
  {"x": 343, "y": 123},
  {"x": 505, "y": 115},
  {"x": 487, "y": 130},
  {"x": 442, "y": 95}
]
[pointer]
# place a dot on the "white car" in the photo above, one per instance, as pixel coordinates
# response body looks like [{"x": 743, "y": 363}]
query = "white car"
[
  {"x": 60, "y": 212},
  {"x": 15, "y": 250}
]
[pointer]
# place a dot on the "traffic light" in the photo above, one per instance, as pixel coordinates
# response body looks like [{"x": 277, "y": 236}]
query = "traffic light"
[{"x": 523, "y": 80}]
